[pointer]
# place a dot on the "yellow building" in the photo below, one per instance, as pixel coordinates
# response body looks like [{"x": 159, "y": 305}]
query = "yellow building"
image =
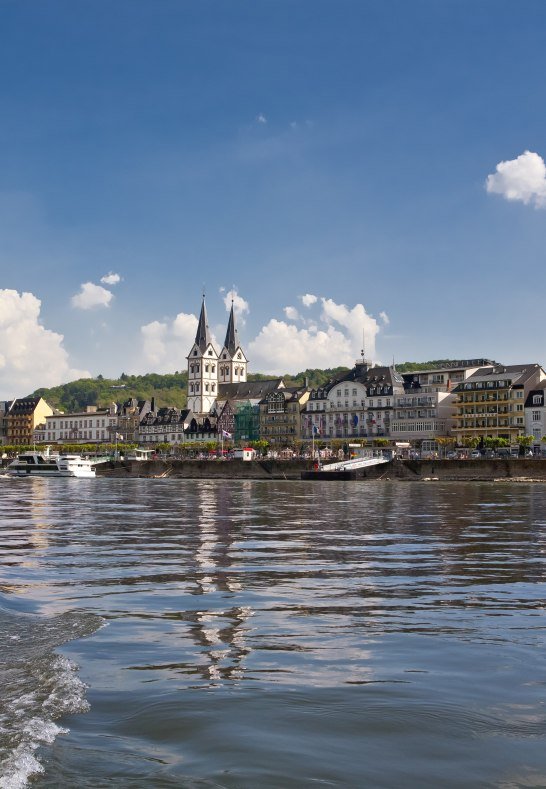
[
  {"x": 490, "y": 403},
  {"x": 25, "y": 414}
]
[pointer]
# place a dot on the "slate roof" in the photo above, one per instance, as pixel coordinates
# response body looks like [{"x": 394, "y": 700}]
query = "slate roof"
[
  {"x": 202, "y": 338},
  {"x": 231, "y": 343},
  {"x": 249, "y": 390},
  {"x": 519, "y": 374}
]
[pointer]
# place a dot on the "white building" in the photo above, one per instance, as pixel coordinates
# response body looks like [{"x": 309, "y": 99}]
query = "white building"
[
  {"x": 232, "y": 365},
  {"x": 94, "y": 424},
  {"x": 202, "y": 369},
  {"x": 535, "y": 418}
]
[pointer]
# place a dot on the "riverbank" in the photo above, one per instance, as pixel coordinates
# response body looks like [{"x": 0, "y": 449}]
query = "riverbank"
[{"x": 510, "y": 469}]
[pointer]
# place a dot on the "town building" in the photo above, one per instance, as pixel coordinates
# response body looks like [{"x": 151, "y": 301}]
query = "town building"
[
  {"x": 5, "y": 407},
  {"x": 165, "y": 426},
  {"x": 490, "y": 403},
  {"x": 280, "y": 415},
  {"x": 90, "y": 425},
  {"x": 535, "y": 418},
  {"x": 357, "y": 404},
  {"x": 22, "y": 418}
]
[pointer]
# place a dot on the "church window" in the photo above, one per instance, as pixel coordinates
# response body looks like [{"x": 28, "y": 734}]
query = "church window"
[
  {"x": 213, "y": 368},
  {"x": 195, "y": 353},
  {"x": 224, "y": 356},
  {"x": 191, "y": 387},
  {"x": 196, "y": 387},
  {"x": 206, "y": 387},
  {"x": 210, "y": 352},
  {"x": 197, "y": 368},
  {"x": 213, "y": 387},
  {"x": 238, "y": 355}
]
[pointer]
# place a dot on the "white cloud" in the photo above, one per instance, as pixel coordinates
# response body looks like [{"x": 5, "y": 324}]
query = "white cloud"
[
  {"x": 329, "y": 338},
  {"x": 91, "y": 296},
  {"x": 291, "y": 313},
  {"x": 110, "y": 279},
  {"x": 261, "y": 118},
  {"x": 240, "y": 306},
  {"x": 308, "y": 300},
  {"x": 165, "y": 344},
  {"x": 31, "y": 355},
  {"x": 334, "y": 339},
  {"x": 384, "y": 317},
  {"x": 523, "y": 178},
  {"x": 281, "y": 347}
]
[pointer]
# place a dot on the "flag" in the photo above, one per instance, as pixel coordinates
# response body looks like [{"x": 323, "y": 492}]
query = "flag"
[
  {"x": 225, "y": 434},
  {"x": 119, "y": 437},
  {"x": 316, "y": 430}
]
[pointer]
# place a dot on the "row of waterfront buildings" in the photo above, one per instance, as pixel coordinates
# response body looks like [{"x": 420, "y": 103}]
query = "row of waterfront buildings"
[{"x": 465, "y": 399}]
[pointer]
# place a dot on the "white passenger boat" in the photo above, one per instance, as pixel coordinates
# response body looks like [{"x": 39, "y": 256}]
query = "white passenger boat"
[{"x": 32, "y": 464}]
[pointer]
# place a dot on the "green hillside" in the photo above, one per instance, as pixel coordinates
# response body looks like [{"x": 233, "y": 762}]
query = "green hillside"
[{"x": 170, "y": 389}]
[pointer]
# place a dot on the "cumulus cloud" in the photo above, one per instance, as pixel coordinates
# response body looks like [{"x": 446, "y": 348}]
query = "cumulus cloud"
[
  {"x": 523, "y": 179},
  {"x": 261, "y": 118},
  {"x": 166, "y": 343},
  {"x": 31, "y": 356},
  {"x": 308, "y": 300},
  {"x": 384, "y": 317},
  {"x": 282, "y": 347},
  {"x": 334, "y": 338},
  {"x": 110, "y": 278},
  {"x": 91, "y": 296},
  {"x": 240, "y": 306},
  {"x": 291, "y": 313}
]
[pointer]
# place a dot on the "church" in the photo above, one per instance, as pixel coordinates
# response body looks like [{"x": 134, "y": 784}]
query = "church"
[
  {"x": 218, "y": 389},
  {"x": 209, "y": 371}
]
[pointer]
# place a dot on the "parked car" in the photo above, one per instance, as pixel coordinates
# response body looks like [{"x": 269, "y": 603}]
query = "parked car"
[{"x": 475, "y": 454}]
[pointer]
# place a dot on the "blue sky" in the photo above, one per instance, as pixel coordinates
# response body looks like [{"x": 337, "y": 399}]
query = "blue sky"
[{"x": 278, "y": 148}]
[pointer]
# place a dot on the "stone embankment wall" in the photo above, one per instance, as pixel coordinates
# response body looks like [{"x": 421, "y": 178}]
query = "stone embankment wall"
[
  {"x": 205, "y": 469},
  {"x": 407, "y": 470}
]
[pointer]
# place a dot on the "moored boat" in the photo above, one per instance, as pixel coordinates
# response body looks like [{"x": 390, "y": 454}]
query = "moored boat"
[{"x": 33, "y": 464}]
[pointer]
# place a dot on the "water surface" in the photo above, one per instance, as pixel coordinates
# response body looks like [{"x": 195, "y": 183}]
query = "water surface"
[{"x": 272, "y": 634}]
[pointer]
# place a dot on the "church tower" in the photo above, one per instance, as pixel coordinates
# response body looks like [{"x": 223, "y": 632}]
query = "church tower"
[
  {"x": 202, "y": 369},
  {"x": 232, "y": 363}
]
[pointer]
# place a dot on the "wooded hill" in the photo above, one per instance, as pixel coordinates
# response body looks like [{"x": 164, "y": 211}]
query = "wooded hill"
[{"x": 170, "y": 389}]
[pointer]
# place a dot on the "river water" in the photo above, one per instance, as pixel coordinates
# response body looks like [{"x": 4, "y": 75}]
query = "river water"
[{"x": 173, "y": 633}]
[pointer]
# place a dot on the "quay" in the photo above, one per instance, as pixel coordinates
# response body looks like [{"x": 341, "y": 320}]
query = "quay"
[{"x": 481, "y": 470}]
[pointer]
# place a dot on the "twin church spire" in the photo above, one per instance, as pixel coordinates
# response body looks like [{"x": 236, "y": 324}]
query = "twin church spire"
[{"x": 208, "y": 369}]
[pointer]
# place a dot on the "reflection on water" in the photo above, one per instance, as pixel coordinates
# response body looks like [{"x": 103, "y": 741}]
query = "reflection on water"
[{"x": 284, "y": 634}]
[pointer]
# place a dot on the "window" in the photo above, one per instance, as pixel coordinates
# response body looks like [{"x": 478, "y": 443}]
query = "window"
[
  {"x": 537, "y": 399},
  {"x": 536, "y": 416},
  {"x": 519, "y": 394}
]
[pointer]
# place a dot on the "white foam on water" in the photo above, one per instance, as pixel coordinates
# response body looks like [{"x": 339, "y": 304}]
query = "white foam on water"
[{"x": 32, "y": 722}]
